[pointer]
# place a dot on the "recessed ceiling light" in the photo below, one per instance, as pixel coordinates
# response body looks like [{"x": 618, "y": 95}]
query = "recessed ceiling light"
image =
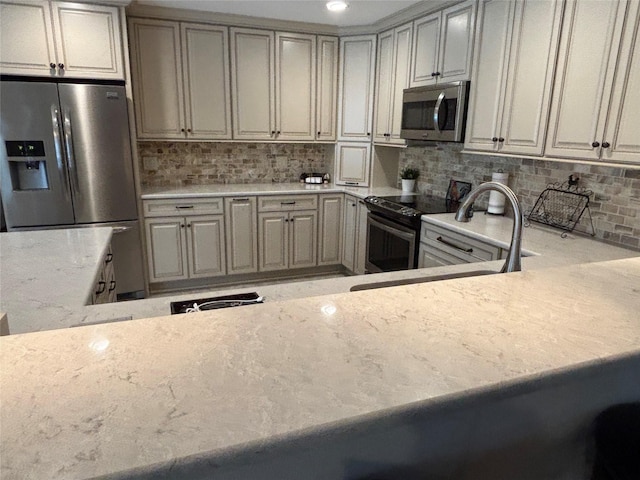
[{"x": 337, "y": 5}]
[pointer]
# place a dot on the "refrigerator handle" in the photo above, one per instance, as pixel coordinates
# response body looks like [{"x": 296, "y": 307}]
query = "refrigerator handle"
[
  {"x": 71, "y": 159},
  {"x": 55, "y": 120}
]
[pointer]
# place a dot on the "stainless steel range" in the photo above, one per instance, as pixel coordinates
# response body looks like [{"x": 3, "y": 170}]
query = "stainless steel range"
[{"x": 393, "y": 229}]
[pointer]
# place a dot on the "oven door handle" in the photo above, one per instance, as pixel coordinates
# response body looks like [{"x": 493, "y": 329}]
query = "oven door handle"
[
  {"x": 436, "y": 112},
  {"x": 392, "y": 227}
]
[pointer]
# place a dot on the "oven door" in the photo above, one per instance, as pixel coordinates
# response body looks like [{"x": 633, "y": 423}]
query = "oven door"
[{"x": 390, "y": 246}]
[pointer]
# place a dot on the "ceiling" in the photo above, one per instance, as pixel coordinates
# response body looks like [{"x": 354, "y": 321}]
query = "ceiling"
[{"x": 359, "y": 12}]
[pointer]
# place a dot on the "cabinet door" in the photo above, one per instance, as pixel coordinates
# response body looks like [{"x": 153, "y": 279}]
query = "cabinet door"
[
  {"x": 353, "y": 162},
  {"x": 589, "y": 43},
  {"x": 532, "y": 62},
  {"x": 155, "y": 60},
  {"x": 205, "y": 241},
  {"x": 327, "y": 88},
  {"x": 329, "y": 248},
  {"x": 253, "y": 77},
  {"x": 495, "y": 18},
  {"x": 384, "y": 86},
  {"x": 303, "y": 239},
  {"x": 273, "y": 230},
  {"x": 205, "y": 63},
  {"x": 88, "y": 40},
  {"x": 361, "y": 238},
  {"x": 456, "y": 42},
  {"x": 242, "y": 234},
  {"x": 357, "y": 66},
  {"x": 167, "y": 252},
  {"x": 295, "y": 86},
  {"x": 623, "y": 124},
  {"x": 401, "y": 70},
  {"x": 426, "y": 33},
  {"x": 26, "y": 38},
  {"x": 350, "y": 215}
]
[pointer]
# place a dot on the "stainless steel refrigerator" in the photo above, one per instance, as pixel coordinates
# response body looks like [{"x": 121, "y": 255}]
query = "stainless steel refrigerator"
[{"x": 66, "y": 162}]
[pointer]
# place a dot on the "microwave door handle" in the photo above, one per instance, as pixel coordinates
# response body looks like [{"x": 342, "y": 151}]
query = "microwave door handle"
[
  {"x": 55, "y": 120},
  {"x": 71, "y": 159},
  {"x": 436, "y": 112}
]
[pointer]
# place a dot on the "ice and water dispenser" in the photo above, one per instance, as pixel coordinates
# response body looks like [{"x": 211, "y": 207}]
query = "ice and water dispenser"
[{"x": 27, "y": 164}]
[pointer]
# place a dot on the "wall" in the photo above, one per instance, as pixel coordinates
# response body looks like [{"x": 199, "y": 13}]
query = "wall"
[
  {"x": 203, "y": 163},
  {"x": 615, "y": 205}
]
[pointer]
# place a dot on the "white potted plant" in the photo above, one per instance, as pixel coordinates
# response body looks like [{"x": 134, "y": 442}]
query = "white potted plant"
[{"x": 409, "y": 176}]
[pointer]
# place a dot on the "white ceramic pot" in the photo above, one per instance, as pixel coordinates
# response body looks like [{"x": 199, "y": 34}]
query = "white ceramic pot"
[{"x": 408, "y": 185}]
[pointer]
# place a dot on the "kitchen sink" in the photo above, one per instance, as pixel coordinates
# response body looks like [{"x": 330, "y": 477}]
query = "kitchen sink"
[{"x": 411, "y": 281}]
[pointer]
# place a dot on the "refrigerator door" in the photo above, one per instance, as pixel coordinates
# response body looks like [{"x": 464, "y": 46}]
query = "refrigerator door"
[
  {"x": 97, "y": 144},
  {"x": 34, "y": 177}
]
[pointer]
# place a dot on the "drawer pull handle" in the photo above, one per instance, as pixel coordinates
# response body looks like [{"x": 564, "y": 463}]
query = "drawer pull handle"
[
  {"x": 112, "y": 285},
  {"x": 183, "y": 207},
  {"x": 109, "y": 258},
  {"x": 287, "y": 203},
  {"x": 101, "y": 287},
  {"x": 246, "y": 199},
  {"x": 453, "y": 245}
]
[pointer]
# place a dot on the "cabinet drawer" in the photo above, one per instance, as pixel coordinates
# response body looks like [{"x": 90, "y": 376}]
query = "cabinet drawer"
[
  {"x": 285, "y": 203},
  {"x": 183, "y": 206},
  {"x": 455, "y": 244}
]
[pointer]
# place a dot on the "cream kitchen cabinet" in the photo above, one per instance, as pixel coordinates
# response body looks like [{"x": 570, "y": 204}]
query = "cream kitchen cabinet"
[
  {"x": 353, "y": 163},
  {"x": 242, "y": 234},
  {"x": 356, "y": 87},
  {"x": 185, "y": 238},
  {"x": 393, "y": 69},
  {"x": 105, "y": 283},
  {"x": 330, "y": 229},
  {"x": 326, "y": 88},
  {"x": 443, "y": 45},
  {"x": 595, "y": 110},
  {"x": 60, "y": 39},
  {"x": 513, "y": 67},
  {"x": 355, "y": 234},
  {"x": 287, "y": 231},
  {"x": 181, "y": 79},
  {"x": 274, "y": 85}
]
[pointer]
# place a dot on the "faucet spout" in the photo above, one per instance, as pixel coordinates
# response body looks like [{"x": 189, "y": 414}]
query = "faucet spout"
[{"x": 512, "y": 263}]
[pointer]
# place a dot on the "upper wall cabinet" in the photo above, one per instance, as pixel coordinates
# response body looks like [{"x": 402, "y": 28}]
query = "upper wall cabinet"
[
  {"x": 394, "y": 58},
  {"x": 181, "y": 80},
  {"x": 326, "y": 88},
  {"x": 595, "y": 112},
  {"x": 355, "y": 96},
  {"x": 253, "y": 75},
  {"x": 514, "y": 60},
  {"x": 443, "y": 45},
  {"x": 57, "y": 39},
  {"x": 274, "y": 85}
]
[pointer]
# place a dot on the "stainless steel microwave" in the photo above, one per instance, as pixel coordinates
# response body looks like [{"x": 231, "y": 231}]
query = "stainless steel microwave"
[{"x": 435, "y": 113}]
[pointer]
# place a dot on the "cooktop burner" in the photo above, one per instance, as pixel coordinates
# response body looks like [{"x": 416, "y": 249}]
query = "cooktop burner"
[{"x": 423, "y": 203}]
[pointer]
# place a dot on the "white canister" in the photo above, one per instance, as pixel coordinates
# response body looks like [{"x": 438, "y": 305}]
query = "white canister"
[{"x": 497, "y": 199}]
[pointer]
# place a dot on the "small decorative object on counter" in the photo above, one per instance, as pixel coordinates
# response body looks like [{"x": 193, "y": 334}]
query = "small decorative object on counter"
[
  {"x": 314, "y": 177},
  {"x": 409, "y": 175},
  {"x": 457, "y": 190},
  {"x": 497, "y": 199},
  {"x": 561, "y": 205}
]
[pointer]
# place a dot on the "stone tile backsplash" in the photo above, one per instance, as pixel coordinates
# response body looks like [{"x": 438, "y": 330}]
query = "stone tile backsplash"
[
  {"x": 615, "y": 204},
  {"x": 200, "y": 163}
]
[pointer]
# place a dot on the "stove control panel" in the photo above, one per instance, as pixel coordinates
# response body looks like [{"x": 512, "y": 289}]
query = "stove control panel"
[{"x": 392, "y": 207}]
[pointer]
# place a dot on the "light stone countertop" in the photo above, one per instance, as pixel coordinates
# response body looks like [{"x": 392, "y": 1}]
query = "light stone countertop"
[
  {"x": 221, "y": 190},
  {"x": 156, "y": 394}
]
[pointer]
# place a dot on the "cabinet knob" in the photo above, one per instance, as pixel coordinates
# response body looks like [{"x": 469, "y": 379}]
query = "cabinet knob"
[
  {"x": 188, "y": 225},
  {"x": 494, "y": 139},
  {"x": 606, "y": 144},
  {"x": 273, "y": 132},
  {"x": 52, "y": 65},
  {"x": 278, "y": 132},
  {"x": 319, "y": 134},
  {"x": 182, "y": 225},
  {"x": 286, "y": 220},
  {"x": 438, "y": 74},
  {"x": 292, "y": 220},
  {"x": 433, "y": 74},
  {"x": 182, "y": 130},
  {"x": 61, "y": 66},
  {"x": 368, "y": 134},
  {"x": 189, "y": 130},
  {"x": 595, "y": 144},
  {"x": 501, "y": 139}
]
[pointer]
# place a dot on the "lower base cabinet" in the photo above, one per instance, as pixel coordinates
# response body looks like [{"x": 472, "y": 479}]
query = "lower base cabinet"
[
  {"x": 105, "y": 284},
  {"x": 330, "y": 229},
  {"x": 185, "y": 247},
  {"x": 242, "y": 234},
  {"x": 354, "y": 254},
  {"x": 287, "y": 240}
]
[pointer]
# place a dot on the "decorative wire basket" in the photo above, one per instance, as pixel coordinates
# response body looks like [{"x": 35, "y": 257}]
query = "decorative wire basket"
[{"x": 561, "y": 205}]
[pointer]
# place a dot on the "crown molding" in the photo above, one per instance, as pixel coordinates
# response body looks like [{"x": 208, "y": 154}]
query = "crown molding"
[
  {"x": 410, "y": 13},
  {"x": 197, "y": 16}
]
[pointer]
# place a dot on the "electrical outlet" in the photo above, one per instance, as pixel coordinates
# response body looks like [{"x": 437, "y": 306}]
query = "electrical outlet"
[{"x": 150, "y": 163}]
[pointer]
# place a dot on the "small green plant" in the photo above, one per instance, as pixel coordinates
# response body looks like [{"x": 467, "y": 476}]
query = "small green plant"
[{"x": 409, "y": 173}]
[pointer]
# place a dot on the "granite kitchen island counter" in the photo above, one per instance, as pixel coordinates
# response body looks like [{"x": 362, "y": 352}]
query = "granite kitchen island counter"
[{"x": 261, "y": 391}]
